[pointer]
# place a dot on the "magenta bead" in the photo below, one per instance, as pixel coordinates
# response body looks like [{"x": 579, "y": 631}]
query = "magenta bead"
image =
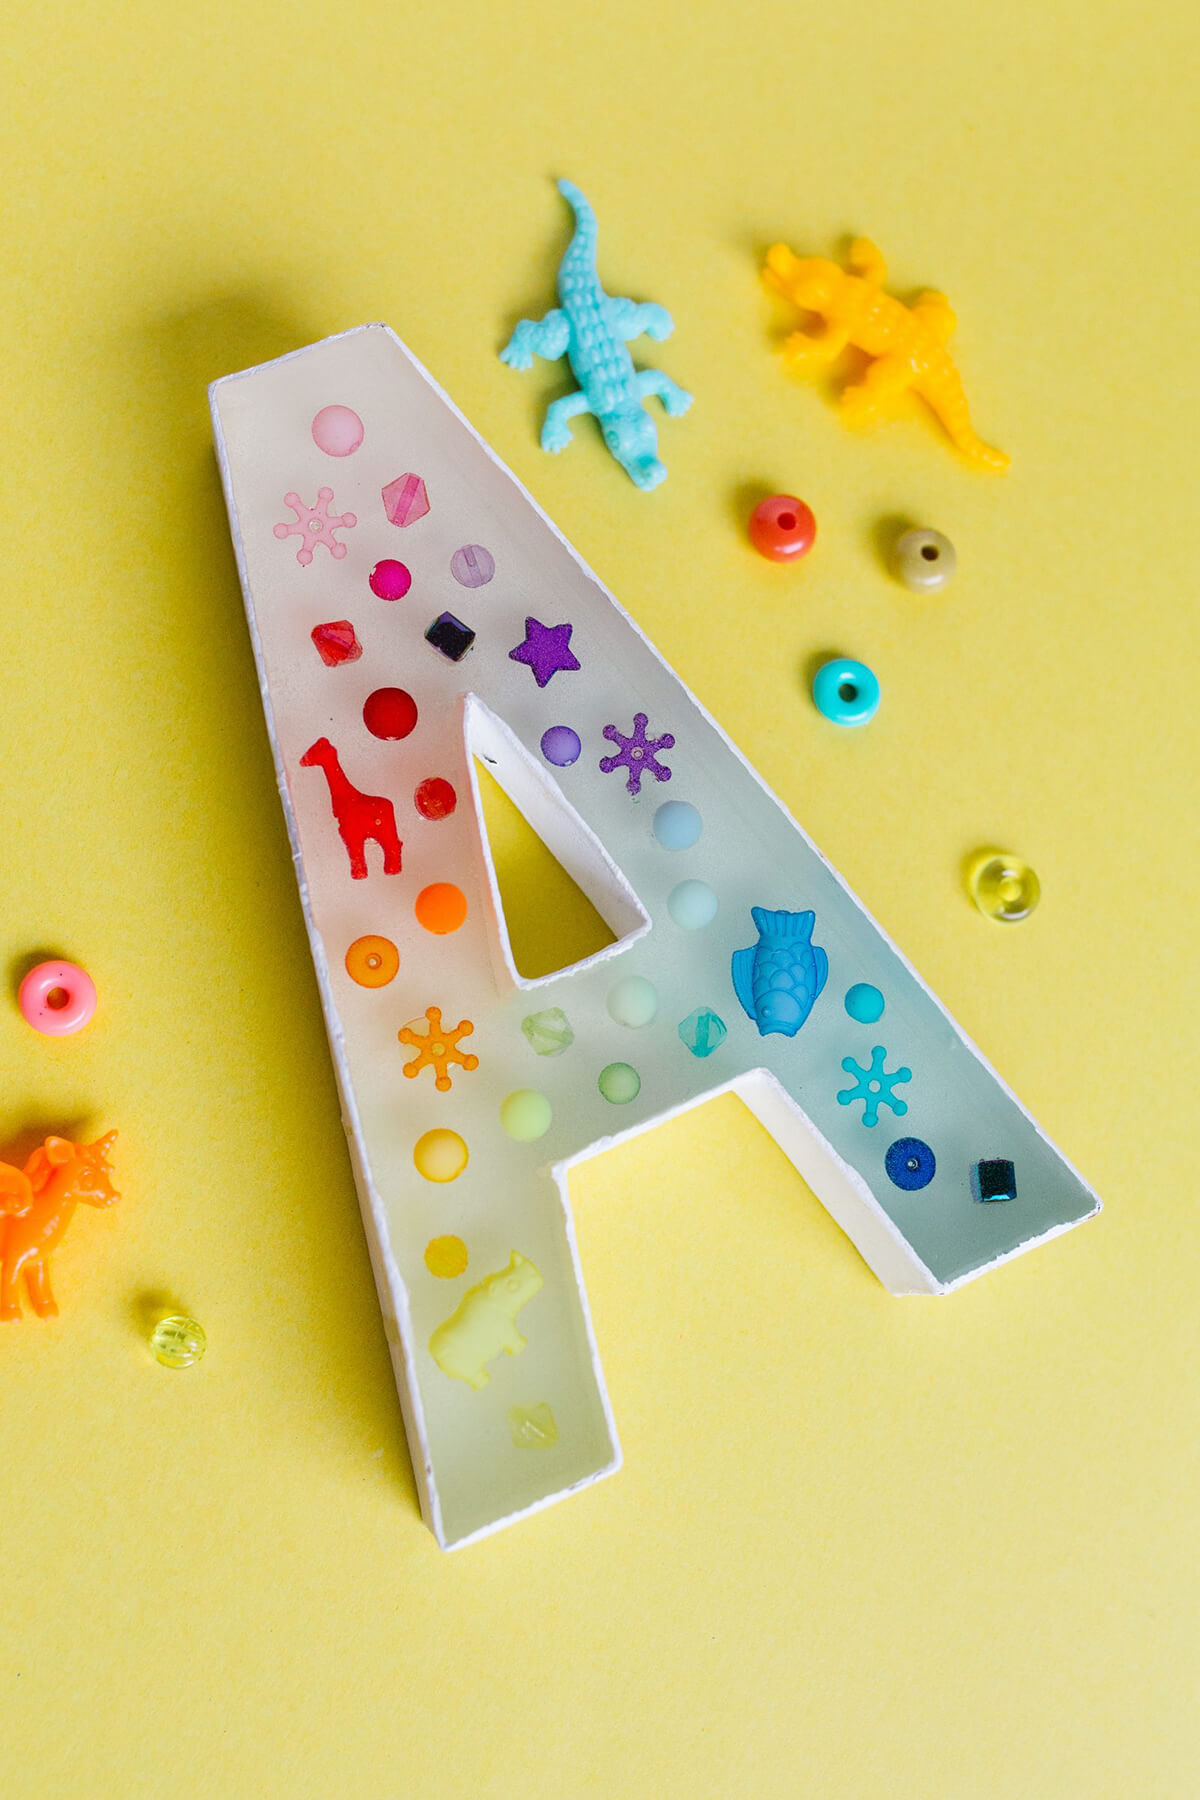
[{"x": 390, "y": 579}]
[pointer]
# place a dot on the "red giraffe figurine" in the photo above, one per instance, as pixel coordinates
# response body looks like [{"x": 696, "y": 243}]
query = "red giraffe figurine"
[
  {"x": 359, "y": 816},
  {"x": 36, "y": 1204}
]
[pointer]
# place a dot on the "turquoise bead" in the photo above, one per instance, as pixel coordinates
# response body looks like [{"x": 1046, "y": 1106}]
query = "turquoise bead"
[{"x": 846, "y": 692}]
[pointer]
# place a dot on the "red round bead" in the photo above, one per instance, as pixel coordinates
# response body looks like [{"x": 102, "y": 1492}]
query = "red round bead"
[
  {"x": 389, "y": 713},
  {"x": 782, "y": 528},
  {"x": 435, "y": 798}
]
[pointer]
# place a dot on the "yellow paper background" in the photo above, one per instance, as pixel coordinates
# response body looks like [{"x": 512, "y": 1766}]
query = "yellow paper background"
[{"x": 933, "y": 1550}]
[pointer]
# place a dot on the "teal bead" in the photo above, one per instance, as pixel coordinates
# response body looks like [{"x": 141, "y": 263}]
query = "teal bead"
[
  {"x": 846, "y": 692},
  {"x": 864, "y": 1003},
  {"x": 692, "y": 905}
]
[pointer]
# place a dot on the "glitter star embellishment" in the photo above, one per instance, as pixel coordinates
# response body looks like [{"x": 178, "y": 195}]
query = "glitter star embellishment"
[{"x": 546, "y": 650}]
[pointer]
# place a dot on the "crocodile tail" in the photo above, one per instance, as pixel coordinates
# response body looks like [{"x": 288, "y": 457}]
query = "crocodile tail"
[
  {"x": 582, "y": 248},
  {"x": 942, "y": 389}
]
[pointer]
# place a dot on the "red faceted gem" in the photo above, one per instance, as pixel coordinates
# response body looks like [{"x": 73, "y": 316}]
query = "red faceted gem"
[
  {"x": 336, "y": 642},
  {"x": 782, "y": 528}
]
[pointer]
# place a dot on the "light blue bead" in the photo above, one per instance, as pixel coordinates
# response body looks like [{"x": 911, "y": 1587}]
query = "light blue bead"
[
  {"x": 864, "y": 1003},
  {"x": 677, "y": 825},
  {"x": 846, "y": 692},
  {"x": 692, "y": 905}
]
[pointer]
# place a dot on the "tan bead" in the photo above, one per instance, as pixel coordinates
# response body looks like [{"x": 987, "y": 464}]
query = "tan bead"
[{"x": 925, "y": 561}]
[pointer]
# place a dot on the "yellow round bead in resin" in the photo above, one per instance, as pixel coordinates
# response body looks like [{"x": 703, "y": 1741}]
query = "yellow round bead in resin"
[
  {"x": 445, "y": 1257},
  {"x": 440, "y": 1155}
]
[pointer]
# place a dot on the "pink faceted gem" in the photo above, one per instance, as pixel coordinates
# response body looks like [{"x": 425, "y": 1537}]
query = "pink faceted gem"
[{"x": 405, "y": 500}]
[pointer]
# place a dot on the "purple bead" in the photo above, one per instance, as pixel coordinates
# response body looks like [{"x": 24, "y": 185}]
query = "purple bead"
[
  {"x": 472, "y": 566},
  {"x": 561, "y": 746}
]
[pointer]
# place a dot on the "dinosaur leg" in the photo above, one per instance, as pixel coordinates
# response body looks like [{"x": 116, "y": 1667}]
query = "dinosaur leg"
[
  {"x": 675, "y": 399},
  {"x": 804, "y": 350},
  {"x": 942, "y": 391},
  {"x": 556, "y": 432},
  {"x": 10, "y": 1306},
  {"x": 866, "y": 259},
  {"x": 37, "y": 1280},
  {"x": 629, "y": 319},
  {"x": 537, "y": 337},
  {"x": 881, "y": 386}
]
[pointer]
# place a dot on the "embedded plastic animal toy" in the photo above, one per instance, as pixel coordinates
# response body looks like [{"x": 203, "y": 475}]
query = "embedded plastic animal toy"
[
  {"x": 778, "y": 979},
  {"x": 36, "y": 1205},
  {"x": 486, "y": 1322},
  {"x": 907, "y": 344},
  {"x": 359, "y": 817},
  {"x": 592, "y": 329}
]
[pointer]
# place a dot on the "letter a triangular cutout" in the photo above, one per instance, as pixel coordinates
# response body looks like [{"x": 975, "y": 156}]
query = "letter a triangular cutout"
[{"x": 373, "y": 527}]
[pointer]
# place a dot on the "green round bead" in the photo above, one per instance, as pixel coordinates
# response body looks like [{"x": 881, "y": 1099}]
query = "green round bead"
[
  {"x": 526, "y": 1115},
  {"x": 633, "y": 1002},
  {"x": 620, "y": 1084}
]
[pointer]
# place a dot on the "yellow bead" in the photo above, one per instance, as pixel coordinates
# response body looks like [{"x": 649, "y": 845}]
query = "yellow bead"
[
  {"x": 445, "y": 1257},
  {"x": 177, "y": 1342},
  {"x": 440, "y": 1155},
  {"x": 925, "y": 561},
  {"x": 1003, "y": 887}
]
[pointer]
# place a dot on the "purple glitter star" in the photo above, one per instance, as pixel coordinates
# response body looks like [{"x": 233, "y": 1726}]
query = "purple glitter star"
[
  {"x": 636, "y": 754},
  {"x": 546, "y": 650}
]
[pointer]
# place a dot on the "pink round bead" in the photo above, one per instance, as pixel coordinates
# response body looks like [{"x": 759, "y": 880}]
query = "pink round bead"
[
  {"x": 57, "y": 998},
  {"x": 390, "y": 579},
  {"x": 337, "y": 431}
]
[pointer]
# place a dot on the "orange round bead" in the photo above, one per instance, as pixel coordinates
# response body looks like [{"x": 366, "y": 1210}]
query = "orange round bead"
[
  {"x": 782, "y": 528},
  {"x": 372, "y": 961},
  {"x": 441, "y": 907}
]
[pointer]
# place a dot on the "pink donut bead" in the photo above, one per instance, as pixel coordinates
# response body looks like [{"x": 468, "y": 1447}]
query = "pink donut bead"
[{"x": 57, "y": 1017}]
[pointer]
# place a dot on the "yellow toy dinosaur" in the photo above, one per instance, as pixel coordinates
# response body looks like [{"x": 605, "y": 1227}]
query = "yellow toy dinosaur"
[{"x": 907, "y": 344}]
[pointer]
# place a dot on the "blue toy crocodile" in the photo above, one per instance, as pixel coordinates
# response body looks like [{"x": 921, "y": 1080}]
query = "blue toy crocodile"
[{"x": 592, "y": 329}]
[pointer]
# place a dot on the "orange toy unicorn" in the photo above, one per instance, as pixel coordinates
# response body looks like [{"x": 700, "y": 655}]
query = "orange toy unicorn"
[{"x": 36, "y": 1204}]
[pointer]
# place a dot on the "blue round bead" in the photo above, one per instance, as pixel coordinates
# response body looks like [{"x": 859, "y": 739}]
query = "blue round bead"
[
  {"x": 677, "y": 825},
  {"x": 910, "y": 1163},
  {"x": 846, "y": 692},
  {"x": 864, "y": 1003}
]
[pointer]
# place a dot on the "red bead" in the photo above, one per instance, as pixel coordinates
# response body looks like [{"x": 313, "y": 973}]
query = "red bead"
[
  {"x": 390, "y": 579},
  {"x": 389, "y": 713},
  {"x": 435, "y": 798},
  {"x": 782, "y": 528},
  {"x": 336, "y": 642}
]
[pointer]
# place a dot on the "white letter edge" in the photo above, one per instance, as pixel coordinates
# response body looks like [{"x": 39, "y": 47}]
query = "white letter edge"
[{"x": 475, "y": 1469}]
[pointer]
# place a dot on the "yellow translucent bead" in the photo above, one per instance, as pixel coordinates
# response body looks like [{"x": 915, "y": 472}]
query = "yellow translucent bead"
[
  {"x": 925, "y": 561},
  {"x": 440, "y": 1155},
  {"x": 445, "y": 1257},
  {"x": 177, "y": 1342},
  {"x": 1003, "y": 887},
  {"x": 533, "y": 1427}
]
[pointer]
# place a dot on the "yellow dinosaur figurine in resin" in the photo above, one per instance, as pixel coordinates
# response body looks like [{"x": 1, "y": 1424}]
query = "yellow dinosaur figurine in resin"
[{"x": 907, "y": 344}]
